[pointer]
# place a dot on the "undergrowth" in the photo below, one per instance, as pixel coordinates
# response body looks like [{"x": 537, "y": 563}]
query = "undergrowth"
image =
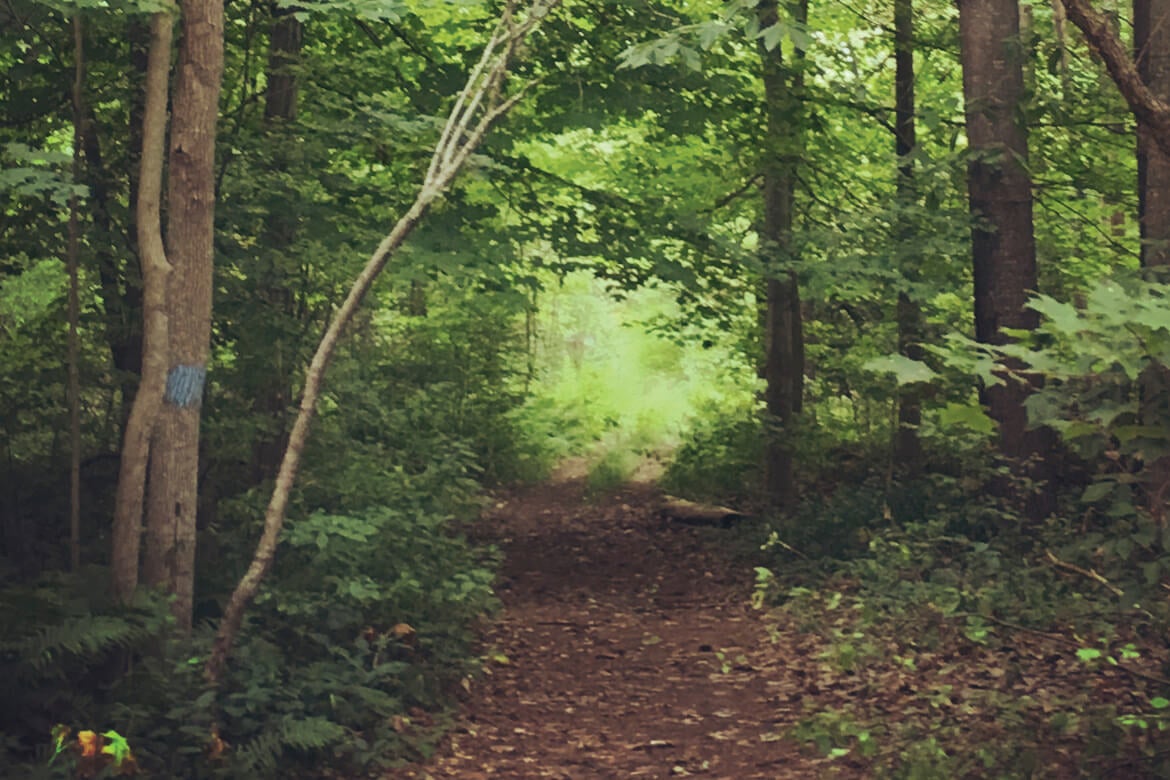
[{"x": 981, "y": 646}]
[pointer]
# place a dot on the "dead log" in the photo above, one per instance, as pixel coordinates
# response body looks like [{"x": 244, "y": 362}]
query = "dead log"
[{"x": 691, "y": 513}]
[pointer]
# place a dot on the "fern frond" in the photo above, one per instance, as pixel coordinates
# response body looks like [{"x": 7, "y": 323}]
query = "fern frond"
[
  {"x": 81, "y": 636},
  {"x": 310, "y": 733},
  {"x": 261, "y": 754}
]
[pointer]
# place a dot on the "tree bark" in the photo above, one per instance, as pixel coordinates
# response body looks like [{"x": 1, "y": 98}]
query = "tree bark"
[
  {"x": 174, "y": 471},
  {"x": 476, "y": 110},
  {"x": 907, "y": 445},
  {"x": 1000, "y": 193},
  {"x": 1151, "y": 34},
  {"x": 129, "y": 500},
  {"x": 1151, "y": 111},
  {"x": 783, "y": 324}
]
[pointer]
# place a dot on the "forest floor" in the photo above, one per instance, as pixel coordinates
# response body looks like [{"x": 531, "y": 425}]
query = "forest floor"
[{"x": 627, "y": 648}]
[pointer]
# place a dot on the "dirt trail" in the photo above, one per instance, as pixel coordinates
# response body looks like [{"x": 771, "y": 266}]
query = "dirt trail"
[{"x": 632, "y": 653}]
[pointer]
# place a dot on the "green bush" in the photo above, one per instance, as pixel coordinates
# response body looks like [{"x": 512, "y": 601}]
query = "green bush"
[{"x": 719, "y": 456}]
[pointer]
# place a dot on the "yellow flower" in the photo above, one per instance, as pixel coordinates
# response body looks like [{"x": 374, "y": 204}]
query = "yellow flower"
[{"x": 89, "y": 743}]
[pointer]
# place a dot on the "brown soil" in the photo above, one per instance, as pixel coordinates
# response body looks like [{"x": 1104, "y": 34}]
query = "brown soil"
[{"x": 631, "y": 652}]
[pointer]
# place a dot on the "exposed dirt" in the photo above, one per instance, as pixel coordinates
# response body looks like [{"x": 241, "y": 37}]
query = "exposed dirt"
[{"x": 632, "y": 652}]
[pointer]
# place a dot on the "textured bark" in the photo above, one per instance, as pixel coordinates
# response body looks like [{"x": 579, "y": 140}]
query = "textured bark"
[
  {"x": 1151, "y": 111},
  {"x": 1151, "y": 32},
  {"x": 284, "y": 55},
  {"x": 174, "y": 471},
  {"x": 476, "y": 110},
  {"x": 783, "y": 323},
  {"x": 1000, "y": 192},
  {"x": 907, "y": 445},
  {"x": 128, "y": 502}
]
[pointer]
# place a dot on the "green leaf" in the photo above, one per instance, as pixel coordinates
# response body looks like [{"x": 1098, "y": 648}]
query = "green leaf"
[
  {"x": 1097, "y": 491},
  {"x": 966, "y": 416},
  {"x": 773, "y": 35},
  {"x": 1062, "y": 317},
  {"x": 905, "y": 370}
]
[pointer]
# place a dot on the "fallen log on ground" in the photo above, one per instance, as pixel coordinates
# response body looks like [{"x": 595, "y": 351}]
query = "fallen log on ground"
[{"x": 693, "y": 513}]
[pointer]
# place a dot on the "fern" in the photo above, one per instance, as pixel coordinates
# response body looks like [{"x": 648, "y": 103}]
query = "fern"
[
  {"x": 310, "y": 733},
  {"x": 261, "y": 754},
  {"x": 83, "y": 636}
]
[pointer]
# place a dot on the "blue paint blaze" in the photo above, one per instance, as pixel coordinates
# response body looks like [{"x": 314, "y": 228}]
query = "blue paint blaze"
[{"x": 185, "y": 385}]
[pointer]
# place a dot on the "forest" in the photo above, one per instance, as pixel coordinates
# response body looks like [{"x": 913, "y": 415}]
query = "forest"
[{"x": 364, "y": 362}]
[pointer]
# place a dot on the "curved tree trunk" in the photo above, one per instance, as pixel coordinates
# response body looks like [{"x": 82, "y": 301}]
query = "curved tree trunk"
[
  {"x": 476, "y": 110},
  {"x": 128, "y": 508}
]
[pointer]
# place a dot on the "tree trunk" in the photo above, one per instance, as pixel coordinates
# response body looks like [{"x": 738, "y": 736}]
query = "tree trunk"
[
  {"x": 272, "y": 397},
  {"x": 907, "y": 445},
  {"x": 174, "y": 471},
  {"x": 74, "y": 379},
  {"x": 477, "y": 109},
  {"x": 1151, "y": 34},
  {"x": 1000, "y": 191},
  {"x": 1151, "y": 110},
  {"x": 783, "y": 325},
  {"x": 128, "y": 503},
  {"x": 1000, "y": 199}
]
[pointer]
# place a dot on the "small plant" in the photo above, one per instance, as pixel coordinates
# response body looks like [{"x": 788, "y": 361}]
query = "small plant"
[{"x": 90, "y": 755}]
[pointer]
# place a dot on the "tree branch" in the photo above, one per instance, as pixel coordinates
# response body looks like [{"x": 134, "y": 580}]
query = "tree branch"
[{"x": 1150, "y": 111}]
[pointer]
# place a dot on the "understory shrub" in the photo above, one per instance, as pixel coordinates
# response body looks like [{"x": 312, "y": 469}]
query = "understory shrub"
[
  {"x": 978, "y": 629},
  {"x": 719, "y": 455},
  {"x": 361, "y": 634}
]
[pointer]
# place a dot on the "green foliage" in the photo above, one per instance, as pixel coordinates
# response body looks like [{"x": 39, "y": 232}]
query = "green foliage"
[
  {"x": 58, "y": 656},
  {"x": 944, "y": 595},
  {"x": 618, "y": 377},
  {"x": 31, "y": 173},
  {"x": 719, "y": 456}
]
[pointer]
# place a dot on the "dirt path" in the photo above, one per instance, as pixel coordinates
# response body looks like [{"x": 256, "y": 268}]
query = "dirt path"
[{"x": 631, "y": 653}]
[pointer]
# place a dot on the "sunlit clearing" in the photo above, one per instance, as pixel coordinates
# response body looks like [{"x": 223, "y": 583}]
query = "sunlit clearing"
[{"x": 617, "y": 381}]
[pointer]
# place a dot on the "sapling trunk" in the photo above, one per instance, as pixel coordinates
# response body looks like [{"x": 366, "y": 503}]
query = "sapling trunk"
[{"x": 479, "y": 106}]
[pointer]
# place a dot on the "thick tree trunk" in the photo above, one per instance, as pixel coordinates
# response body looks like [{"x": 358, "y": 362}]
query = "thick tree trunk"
[
  {"x": 783, "y": 325},
  {"x": 907, "y": 445},
  {"x": 1000, "y": 191},
  {"x": 174, "y": 472},
  {"x": 128, "y": 503},
  {"x": 1151, "y": 33}
]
